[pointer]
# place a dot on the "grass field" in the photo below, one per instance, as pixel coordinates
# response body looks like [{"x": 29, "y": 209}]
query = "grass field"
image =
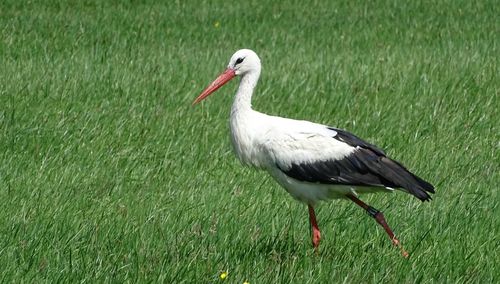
[{"x": 108, "y": 174}]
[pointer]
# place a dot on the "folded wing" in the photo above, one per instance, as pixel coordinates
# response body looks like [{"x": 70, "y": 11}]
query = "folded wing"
[{"x": 334, "y": 156}]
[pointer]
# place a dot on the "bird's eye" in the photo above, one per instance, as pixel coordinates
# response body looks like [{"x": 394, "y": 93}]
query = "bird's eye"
[{"x": 239, "y": 60}]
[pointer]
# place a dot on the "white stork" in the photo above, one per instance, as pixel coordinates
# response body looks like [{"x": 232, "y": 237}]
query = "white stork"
[{"x": 311, "y": 161}]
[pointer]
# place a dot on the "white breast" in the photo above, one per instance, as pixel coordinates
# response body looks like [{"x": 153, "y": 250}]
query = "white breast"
[{"x": 247, "y": 126}]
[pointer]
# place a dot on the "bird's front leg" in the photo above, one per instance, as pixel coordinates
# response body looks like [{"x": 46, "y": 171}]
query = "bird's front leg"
[{"x": 315, "y": 233}]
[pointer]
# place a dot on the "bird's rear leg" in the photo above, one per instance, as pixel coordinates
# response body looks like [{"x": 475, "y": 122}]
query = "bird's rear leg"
[{"x": 379, "y": 217}]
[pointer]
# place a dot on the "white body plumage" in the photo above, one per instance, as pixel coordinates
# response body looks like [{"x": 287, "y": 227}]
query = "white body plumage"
[{"x": 274, "y": 143}]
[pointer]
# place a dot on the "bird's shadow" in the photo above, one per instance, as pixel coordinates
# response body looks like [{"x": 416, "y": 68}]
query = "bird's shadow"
[{"x": 278, "y": 249}]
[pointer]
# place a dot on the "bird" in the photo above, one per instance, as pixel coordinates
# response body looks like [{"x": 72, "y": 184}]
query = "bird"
[{"x": 312, "y": 162}]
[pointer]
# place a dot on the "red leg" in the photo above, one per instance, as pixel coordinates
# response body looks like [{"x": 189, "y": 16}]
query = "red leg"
[
  {"x": 316, "y": 234},
  {"x": 379, "y": 217}
]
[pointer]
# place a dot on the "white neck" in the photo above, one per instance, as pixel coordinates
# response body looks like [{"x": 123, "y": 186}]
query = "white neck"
[
  {"x": 242, "y": 121},
  {"x": 243, "y": 97}
]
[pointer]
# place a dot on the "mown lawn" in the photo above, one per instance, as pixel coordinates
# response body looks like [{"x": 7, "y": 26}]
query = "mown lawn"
[{"x": 108, "y": 174}]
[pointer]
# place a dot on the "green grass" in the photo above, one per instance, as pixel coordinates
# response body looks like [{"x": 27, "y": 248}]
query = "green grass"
[{"x": 108, "y": 174}]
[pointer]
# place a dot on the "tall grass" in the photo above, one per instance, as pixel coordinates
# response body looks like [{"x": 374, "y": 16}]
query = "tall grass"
[{"x": 108, "y": 174}]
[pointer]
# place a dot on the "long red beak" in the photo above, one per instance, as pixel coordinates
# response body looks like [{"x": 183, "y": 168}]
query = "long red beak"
[{"x": 216, "y": 84}]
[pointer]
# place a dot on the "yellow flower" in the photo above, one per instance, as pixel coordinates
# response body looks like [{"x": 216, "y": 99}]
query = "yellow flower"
[
  {"x": 246, "y": 282},
  {"x": 223, "y": 275},
  {"x": 217, "y": 24}
]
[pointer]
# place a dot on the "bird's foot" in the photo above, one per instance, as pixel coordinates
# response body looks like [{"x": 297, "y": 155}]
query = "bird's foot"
[
  {"x": 397, "y": 243},
  {"x": 316, "y": 237}
]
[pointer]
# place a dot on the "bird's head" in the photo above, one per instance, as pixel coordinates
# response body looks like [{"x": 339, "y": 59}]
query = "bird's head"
[{"x": 243, "y": 61}]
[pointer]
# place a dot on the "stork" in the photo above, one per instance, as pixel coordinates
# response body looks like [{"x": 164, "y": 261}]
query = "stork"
[{"x": 312, "y": 162}]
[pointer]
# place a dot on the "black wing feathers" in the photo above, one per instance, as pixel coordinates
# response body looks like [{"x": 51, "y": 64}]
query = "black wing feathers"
[
  {"x": 366, "y": 166},
  {"x": 354, "y": 140}
]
